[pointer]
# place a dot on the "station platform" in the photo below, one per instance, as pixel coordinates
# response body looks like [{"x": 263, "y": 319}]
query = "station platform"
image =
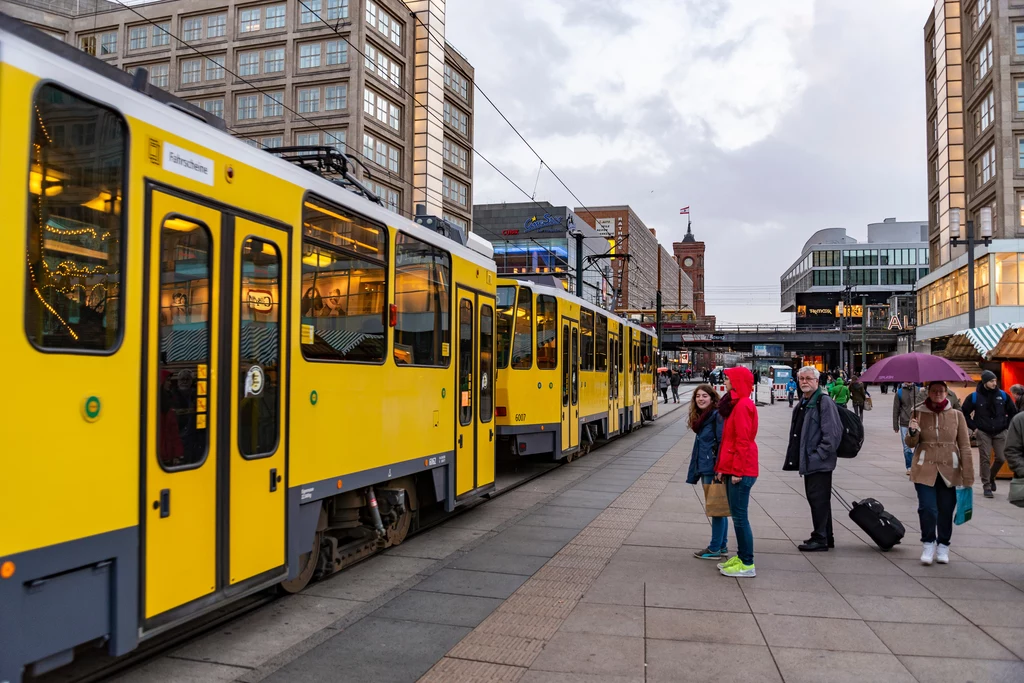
[{"x": 587, "y": 574}]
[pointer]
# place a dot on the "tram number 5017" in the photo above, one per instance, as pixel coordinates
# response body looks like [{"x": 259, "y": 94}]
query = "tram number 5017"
[{"x": 520, "y": 417}]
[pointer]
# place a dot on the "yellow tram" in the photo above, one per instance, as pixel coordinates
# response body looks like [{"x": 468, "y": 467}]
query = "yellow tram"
[
  {"x": 309, "y": 368},
  {"x": 568, "y": 372}
]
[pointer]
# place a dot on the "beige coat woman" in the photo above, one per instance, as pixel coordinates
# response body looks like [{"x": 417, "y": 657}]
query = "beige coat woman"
[{"x": 942, "y": 445}]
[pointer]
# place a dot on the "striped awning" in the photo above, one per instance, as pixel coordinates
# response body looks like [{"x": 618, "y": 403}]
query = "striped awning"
[
  {"x": 985, "y": 339},
  {"x": 1011, "y": 345}
]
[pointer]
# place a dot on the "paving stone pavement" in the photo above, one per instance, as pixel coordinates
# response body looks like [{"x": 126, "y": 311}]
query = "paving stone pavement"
[{"x": 624, "y": 600}]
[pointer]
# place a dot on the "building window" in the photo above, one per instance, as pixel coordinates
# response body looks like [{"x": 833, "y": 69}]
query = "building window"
[
  {"x": 337, "y": 9},
  {"x": 216, "y": 25},
  {"x": 215, "y": 107},
  {"x": 382, "y": 109},
  {"x": 1018, "y": 31},
  {"x": 108, "y": 43},
  {"x": 273, "y": 104},
  {"x": 457, "y": 155},
  {"x": 309, "y": 56},
  {"x": 456, "y": 118},
  {"x": 138, "y": 37},
  {"x": 456, "y": 81},
  {"x": 73, "y": 288},
  {"x": 192, "y": 29},
  {"x": 307, "y": 139},
  {"x": 827, "y": 278},
  {"x": 162, "y": 34},
  {"x": 1006, "y": 279},
  {"x": 248, "y": 63},
  {"x": 309, "y": 12},
  {"x": 454, "y": 190},
  {"x": 985, "y": 168},
  {"x": 983, "y": 62},
  {"x": 335, "y": 97},
  {"x": 191, "y": 71},
  {"x": 309, "y": 100},
  {"x": 386, "y": 25},
  {"x": 272, "y": 141},
  {"x": 455, "y": 220},
  {"x": 391, "y": 198},
  {"x": 337, "y": 52},
  {"x": 273, "y": 60},
  {"x": 344, "y": 285},
  {"x": 336, "y": 139},
  {"x": 899, "y": 276},
  {"x": 215, "y": 68},
  {"x": 423, "y": 298},
  {"x": 249, "y": 20},
  {"x": 985, "y": 114},
  {"x": 158, "y": 75},
  {"x": 983, "y": 9},
  {"x": 378, "y": 63},
  {"x": 1020, "y": 154},
  {"x": 274, "y": 17},
  {"x": 381, "y": 153},
  {"x": 247, "y": 107}
]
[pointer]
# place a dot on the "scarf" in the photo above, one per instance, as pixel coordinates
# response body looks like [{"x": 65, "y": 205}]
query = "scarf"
[
  {"x": 701, "y": 418},
  {"x": 725, "y": 405},
  {"x": 936, "y": 407}
]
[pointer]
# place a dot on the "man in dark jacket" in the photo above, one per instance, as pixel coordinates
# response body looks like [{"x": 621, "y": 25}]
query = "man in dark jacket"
[
  {"x": 858, "y": 396},
  {"x": 903, "y": 404},
  {"x": 814, "y": 436},
  {"x": 989, "y": 411},
  {"x": 674, "y": 381}
]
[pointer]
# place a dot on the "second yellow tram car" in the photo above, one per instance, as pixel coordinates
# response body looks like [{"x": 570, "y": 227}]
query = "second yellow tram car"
[{"x": 569, "y": 373}]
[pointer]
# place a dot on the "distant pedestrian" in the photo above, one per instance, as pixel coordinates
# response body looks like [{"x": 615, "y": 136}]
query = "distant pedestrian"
[
  {"x": 791, "y": 389},
  {"x": 858, "y": 396},
  {"x": 839, "y": 392},
  {"x": 902, "y": 410},
  {"x": 663, "y": 384},
  {"x": 674, "y": 381},
  {"x": 954, "y": 400},
  {"x": 814, "y": 435},
  {"x": 885, "y": 387},
  {"x": 707, "y": 425},
  {"x": 1017, "y": 392},
  {"x": 737, "y": 465},
  {"x": 989, "y": 411},
  {"x": 1015, "y": 444},
  {"x": 942, "y": 461}
]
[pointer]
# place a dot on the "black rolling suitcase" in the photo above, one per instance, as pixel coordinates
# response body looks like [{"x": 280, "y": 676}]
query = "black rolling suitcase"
[{"x": 870, "y": 515}]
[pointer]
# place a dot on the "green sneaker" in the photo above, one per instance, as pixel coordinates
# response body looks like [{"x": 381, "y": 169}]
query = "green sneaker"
[
  {"x": 739, "y": 570},
  {"x": 730, "y": 562}
]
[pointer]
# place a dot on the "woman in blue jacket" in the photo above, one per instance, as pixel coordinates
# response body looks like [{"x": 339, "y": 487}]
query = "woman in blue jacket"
[{"x": 706, "y": 423}]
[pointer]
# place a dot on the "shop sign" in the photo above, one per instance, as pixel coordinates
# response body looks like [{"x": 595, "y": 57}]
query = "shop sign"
[
  {"x": 545, "y": 223},
  {"x": 506, "y": 233}
]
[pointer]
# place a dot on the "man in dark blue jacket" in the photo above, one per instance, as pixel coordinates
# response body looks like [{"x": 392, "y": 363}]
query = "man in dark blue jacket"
[
  {"x": 814, "y": 437},
  {"x": 989, "y": 411}
]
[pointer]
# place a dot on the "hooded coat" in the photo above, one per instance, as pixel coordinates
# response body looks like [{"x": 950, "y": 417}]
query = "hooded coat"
[
  {"x": 989, "y": 410},
  {"x": 705, "y": 448},
  {"x": 858, "y": 392},
  {"x": 737, "y": 455},
  {"x": 839, "y": 392},
  {"x": 941, "y": 446}
]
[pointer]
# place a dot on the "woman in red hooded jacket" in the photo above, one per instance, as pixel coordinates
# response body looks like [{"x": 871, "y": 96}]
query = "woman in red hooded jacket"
[{"x": 737, "y": 465}]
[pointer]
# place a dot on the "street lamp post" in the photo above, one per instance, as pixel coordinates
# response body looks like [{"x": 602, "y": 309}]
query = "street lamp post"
[{"x": 985, "y": 215}]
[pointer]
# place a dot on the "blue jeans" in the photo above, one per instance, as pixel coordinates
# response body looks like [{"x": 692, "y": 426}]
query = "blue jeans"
[
  {"x": 719, "y": 526},
  {"x": 739, "y": 499},
  {"x": 908, "y": 452},
  {"x": 935, "y": 508}
]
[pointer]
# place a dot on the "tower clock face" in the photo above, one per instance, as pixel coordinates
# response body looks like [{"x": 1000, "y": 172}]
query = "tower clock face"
[{"x": 687, "y": 261}]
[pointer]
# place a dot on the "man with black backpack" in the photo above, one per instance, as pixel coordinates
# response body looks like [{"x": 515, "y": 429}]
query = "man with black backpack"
[
  {"x": 988, "y": 411},
  {"x": 815, "y": 435}
]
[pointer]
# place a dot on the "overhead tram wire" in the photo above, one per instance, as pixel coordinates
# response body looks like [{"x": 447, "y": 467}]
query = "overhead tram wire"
[{"x": 389, "y": 175}]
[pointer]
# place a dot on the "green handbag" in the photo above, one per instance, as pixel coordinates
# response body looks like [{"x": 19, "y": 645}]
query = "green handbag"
[{"x": 1017, "y": 492}]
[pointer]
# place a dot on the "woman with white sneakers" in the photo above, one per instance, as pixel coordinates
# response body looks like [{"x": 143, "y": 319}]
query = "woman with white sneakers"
[{"x": 942, "y": 461}]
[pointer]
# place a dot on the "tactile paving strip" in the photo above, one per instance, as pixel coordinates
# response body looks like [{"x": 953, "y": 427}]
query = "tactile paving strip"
[{"x": 504, "y": 645}]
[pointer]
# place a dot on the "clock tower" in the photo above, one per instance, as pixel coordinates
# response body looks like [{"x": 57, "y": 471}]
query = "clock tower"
[{"x": 690, "y": 255}]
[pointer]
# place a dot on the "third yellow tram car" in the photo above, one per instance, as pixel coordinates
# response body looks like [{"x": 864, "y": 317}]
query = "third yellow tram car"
[{"x": 568, "y": 373}]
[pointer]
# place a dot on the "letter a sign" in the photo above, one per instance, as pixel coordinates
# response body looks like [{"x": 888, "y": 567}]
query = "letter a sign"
[{"x": 894, "y": 323}]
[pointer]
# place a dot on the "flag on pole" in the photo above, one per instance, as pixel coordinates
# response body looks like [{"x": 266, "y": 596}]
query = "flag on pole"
[{"x": 684, "y": 211}]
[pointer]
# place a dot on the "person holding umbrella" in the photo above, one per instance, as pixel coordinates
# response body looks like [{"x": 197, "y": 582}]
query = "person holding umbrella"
[{"x": 942, "y": 462}]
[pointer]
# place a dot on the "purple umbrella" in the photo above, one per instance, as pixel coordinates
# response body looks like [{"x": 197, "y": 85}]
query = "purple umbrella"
[{"x": 915, "y": 367}]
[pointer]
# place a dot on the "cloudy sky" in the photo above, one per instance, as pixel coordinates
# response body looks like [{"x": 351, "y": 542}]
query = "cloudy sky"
[{"x": 770, "y": 118}]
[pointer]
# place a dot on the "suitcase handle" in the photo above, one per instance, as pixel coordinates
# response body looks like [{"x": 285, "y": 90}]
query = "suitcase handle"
[{"x": 842, "y": 501}]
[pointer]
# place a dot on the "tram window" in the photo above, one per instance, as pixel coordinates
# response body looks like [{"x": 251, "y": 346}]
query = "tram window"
[
  {"x": 506, "y": 310},
  {"x": 486, "y": 362},
  {"x": 601, "y": 344},
  {"x": 465, "y": 362},
  {"x": 586, "y": 340},
  {"x": 183, "y": 371},
  {"x": 344, "y": 287},
  {"x": 622, "y": 358},
  {"x": 75, "y": 225},
  {"x": 522, "y": 340},
  {"x": 422, "y": 295},
  {"x": 259, "y": 353},
  {"x": 547, "y": 332}
]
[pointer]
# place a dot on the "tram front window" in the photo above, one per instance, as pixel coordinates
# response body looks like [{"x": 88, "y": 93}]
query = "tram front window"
[{"x": 505, "y": 305}]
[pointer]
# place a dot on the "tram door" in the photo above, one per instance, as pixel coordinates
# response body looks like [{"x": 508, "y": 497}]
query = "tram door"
[
  {"x": 637, "y": 360},
  {"x": 474, "y": 431},
  {"x": 214, "y": 414},
  {"x": 570, "y": 384},
  {"x": 613, "y": 382}
]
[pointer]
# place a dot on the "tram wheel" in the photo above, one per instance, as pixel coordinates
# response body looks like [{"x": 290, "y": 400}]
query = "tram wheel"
[{"x": 309, "y": 560}]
